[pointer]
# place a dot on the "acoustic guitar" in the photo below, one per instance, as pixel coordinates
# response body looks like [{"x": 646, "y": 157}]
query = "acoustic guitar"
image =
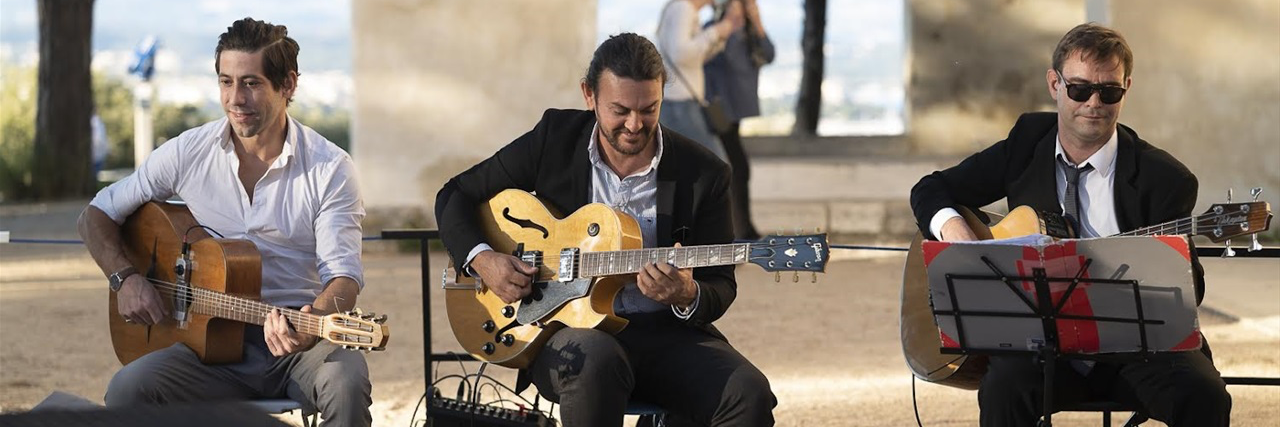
[
  {"x": 920, "y": 340},
  {"x": 583, "y": 261},
  {"x": 211, "y": 287}
]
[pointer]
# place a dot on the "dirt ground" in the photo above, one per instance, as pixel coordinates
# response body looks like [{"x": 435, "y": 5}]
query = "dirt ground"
[{"x": 830, "y": 349}]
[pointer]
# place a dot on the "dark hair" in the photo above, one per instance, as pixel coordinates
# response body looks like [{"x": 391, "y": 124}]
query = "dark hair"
[
  {"x": 279, "y": 51},
  {"x": 1094, "y": 41},
  {"x": 627, "y": 55}
]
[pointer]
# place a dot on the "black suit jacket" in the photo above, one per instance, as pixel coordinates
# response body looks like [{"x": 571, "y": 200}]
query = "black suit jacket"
[
  {"x": 1151, "y": 187},
  {"x": 551, "y": 160}
]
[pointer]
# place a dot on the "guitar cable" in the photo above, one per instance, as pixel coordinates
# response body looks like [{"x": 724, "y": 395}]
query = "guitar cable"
[{"x": 914, "y": 406}]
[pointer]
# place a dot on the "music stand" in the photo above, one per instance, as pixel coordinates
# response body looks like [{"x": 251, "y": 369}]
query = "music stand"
[{"x": 1076, "y": 314}]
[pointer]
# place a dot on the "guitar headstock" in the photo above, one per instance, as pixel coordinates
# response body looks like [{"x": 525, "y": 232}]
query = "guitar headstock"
[
  {"x": 1226, "y": 220},
  {"x": 356, "y": 330},
  {"x": 806, "y": 252}
]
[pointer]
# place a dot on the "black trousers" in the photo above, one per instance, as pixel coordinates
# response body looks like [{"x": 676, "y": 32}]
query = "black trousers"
[
  {"x": 688, "y": 372},
  {"x": 1181, "y": 389},
  {"x": 743, "y": 228}
]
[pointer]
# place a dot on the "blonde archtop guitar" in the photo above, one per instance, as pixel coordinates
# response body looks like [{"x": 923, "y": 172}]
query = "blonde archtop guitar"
[
  {"x": 920, "y": 340},
  {"x": 583, "y": 261},
  {"x": 211, "y": 288}
]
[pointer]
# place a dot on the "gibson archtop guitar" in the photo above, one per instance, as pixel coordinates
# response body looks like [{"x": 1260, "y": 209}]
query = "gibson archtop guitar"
[
  {"x": 211, "y": 288},
  {"x": 583, "y": 261},
  {"x": 920, "y": 341}
]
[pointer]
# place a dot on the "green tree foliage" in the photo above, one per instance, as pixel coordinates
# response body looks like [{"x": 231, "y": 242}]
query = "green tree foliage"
[
  {"x": 332, "y": 123},
  {"x": 114, "y": 103},
  {"x": 17, "y": 130}
]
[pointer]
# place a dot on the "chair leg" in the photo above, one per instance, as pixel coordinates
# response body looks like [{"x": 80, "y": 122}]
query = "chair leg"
[
  {"x": 1136, "y": 420},
  {"x": 1106, "y": 418}
]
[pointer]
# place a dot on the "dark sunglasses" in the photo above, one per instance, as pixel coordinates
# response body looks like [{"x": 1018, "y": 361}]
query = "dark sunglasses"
[{"x": 1109, "y": 94}]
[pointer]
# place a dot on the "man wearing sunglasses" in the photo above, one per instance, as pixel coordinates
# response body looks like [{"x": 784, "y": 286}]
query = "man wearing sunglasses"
[{"x": 1104, "y": 179}]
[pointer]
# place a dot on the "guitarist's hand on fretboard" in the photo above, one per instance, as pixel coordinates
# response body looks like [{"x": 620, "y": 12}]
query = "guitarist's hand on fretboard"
[
  {"x": 282, "y": 338},
  {"x": 667, "y": 284},
  {"x": 507, "y": 276}
]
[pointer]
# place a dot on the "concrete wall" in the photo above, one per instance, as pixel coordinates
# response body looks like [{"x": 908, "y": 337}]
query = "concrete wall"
[
  {"x": 1206, "y": 87},
  {"x": 975, "y": 65},
  {"x": 442, "y": 84}
]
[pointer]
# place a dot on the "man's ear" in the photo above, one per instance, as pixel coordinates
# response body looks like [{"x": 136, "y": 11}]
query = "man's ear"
[
  {"x": 290, "y": 85},
  {"x": 1051, "y": 78},
  {"x": 588, "y": 96}
]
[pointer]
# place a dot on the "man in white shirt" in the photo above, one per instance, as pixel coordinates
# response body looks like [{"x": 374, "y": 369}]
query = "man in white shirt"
[
  {"x": 259, "y": 175},
  {"x": 1107, "y": 181}
]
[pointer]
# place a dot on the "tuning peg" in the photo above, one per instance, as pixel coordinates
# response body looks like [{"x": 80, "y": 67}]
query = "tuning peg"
[
  {"x": 1255, "y": 192},
  {"x": 815, "y": 277},
  {"x": 777, "y": 277},
  {"x": 795, "y": 277},
  {"x": 380, "y": 319}
]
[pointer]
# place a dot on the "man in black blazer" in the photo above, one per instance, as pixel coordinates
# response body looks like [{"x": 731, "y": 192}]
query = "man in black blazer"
[
  {"x": 616, "y": 153},
  {"x": 1121, "y": 183}
]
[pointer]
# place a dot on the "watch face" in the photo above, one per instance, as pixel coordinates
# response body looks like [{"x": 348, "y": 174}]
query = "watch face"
[{"x": 115, "y": 282}]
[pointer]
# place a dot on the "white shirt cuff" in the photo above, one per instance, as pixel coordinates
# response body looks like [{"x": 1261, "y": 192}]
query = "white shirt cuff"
[
  {"x": 466, "y": 267},
  {"x": 685, "y": 314},
  {"x": 940, "y": 218}
]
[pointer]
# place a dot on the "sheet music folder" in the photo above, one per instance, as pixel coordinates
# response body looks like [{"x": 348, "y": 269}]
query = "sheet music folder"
[{"x": 1132, "y": 294}]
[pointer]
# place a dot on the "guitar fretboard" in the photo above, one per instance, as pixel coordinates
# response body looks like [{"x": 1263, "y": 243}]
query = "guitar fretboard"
[
  {"x": 1200, "y": 224},
  {"x": 210, "y": 303},
  {"x": 632, "y": 261}
]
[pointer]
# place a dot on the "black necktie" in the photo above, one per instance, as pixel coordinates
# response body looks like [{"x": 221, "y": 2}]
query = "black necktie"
[{"x": 1071, "y": 198}]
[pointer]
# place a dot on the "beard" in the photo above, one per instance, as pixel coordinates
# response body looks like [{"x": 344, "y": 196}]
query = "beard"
[{"x": 613, "y": 137}]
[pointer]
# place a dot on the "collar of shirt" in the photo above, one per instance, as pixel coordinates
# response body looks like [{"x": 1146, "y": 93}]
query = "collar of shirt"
[
  {"x": 1103, "y": 161},
  {"x": 223, "y": 139},
  {"x": 593, "y": 153}
]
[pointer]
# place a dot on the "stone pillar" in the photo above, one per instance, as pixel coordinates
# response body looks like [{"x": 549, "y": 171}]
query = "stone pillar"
[
  {"x": 978, "y": 64},
  {"x": 1206, "y": 88},
  {"x": 442, "y": 84}
]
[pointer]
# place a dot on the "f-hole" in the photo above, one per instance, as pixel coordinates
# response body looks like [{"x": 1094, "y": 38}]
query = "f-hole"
[{"x": 524, "y": 223}]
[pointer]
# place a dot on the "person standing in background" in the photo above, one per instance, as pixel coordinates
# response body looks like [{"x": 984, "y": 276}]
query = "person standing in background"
[
  {"x": 686, "y": 46},
  {"x": 734, "y": 75}
]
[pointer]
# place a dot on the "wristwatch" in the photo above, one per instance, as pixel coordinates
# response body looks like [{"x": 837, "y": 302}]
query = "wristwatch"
[{"x": 116, "y": 280}]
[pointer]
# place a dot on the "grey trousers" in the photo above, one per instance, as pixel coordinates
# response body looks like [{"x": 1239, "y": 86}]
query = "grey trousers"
[
  {"x": 326, "y": 378},
  {"x": 686, "y": 371}
]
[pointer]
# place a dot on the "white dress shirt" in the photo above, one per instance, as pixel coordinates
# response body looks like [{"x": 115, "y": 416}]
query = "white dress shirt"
[
  {"x": 304, "y": 217},
  {"x": 1096, "y": 192}
]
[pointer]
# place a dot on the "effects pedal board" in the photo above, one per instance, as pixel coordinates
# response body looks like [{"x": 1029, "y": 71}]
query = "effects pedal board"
[{"x": 446, "y": 412}]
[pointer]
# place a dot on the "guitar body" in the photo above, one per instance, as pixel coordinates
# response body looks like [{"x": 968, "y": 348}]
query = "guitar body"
[
  {"x": 921, "y": 344},
  {"x": 152, "y": 239},
  {"x": 515, "y": 219}
]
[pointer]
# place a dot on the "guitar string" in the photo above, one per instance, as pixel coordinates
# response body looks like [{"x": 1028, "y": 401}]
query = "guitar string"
[
  {"x": 237, "y": 306},
  {"x": 1186, "y": 225}
]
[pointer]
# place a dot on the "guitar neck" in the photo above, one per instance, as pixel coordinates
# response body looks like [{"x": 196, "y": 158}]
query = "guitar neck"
[
  {"x": 1199, "y": 224},
  {"x": 217, "y": 304},
  {"x": 609, "y": 263}
]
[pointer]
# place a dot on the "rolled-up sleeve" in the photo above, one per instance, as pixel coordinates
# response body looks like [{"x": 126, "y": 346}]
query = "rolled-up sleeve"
[
  {"x": 155, "y": 180},
  {"x": 337, "y": 227}
]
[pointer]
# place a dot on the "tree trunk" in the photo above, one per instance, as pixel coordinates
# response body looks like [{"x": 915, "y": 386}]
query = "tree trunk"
[
  {"x": 65, "y": 101},
  {"x": 809, "y": 101}
]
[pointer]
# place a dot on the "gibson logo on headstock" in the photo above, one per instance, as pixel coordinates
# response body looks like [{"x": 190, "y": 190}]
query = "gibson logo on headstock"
[{"x": 817, "y": 251}]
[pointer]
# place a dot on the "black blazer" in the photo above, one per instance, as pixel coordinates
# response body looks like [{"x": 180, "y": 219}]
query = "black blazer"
[
  {"x": 1151, "y": 187},
  {"x": 551, "y": 160}
]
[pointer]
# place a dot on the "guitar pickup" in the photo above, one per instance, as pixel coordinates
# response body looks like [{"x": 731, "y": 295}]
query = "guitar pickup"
[{"x": 568, "y": 265}]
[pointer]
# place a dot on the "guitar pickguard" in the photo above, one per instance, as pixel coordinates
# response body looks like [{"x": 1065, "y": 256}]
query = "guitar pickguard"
[{"x": 551, "y": 295}]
